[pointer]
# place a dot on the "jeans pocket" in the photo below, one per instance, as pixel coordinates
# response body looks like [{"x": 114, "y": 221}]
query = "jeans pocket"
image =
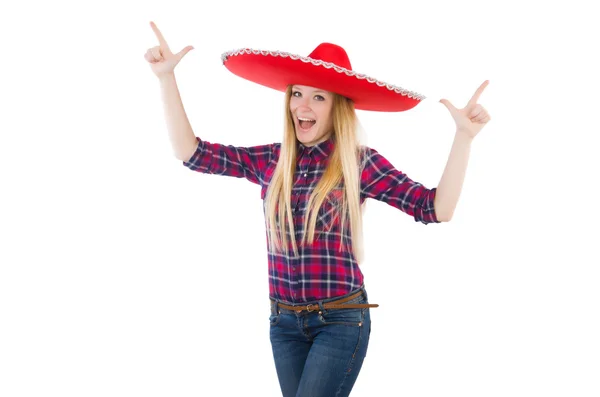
[
  {"x": 352, "y": 317},
  {"x": 274, "y": 319}
]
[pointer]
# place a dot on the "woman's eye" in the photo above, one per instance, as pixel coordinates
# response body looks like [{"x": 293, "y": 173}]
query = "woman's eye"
[{"x": 298, "y": 94}]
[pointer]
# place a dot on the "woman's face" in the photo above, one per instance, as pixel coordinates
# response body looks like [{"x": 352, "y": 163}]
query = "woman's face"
[{"x": 311, "y": 111}]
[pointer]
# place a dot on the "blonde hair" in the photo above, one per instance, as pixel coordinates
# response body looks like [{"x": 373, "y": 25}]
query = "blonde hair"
[{"x": 346, "y": 163}]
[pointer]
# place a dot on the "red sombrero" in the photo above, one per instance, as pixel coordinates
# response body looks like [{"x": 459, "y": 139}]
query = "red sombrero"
[{"x": 327, "y": 67}]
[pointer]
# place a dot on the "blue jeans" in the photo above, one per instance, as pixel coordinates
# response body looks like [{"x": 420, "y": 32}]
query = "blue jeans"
[{"x": 319, "y": 353}]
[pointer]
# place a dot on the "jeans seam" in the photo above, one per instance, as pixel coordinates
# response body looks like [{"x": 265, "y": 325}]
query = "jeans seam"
[{"x": 353, "y": 359}]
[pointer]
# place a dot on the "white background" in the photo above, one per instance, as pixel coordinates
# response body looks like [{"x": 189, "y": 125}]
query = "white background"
[{"x": 123, "y": 273}]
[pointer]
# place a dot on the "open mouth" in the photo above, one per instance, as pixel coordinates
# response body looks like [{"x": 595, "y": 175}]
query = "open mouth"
[{"x": 306, "y": 124}]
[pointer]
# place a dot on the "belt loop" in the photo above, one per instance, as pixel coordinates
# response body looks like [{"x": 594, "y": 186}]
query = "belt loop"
[
  {"x": 321, "y": 308},
  {"x": 274, "y": 307},
  {"x": 364, "y": 290}
]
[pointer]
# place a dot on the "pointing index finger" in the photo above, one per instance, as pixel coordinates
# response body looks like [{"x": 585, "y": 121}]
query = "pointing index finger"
[
  {"x": 159, "y": 36},
  {"x": 477, "y": 94}
]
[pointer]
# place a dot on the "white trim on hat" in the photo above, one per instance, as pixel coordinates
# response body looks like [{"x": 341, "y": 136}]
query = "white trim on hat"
[{"x": 327, "y": 65}]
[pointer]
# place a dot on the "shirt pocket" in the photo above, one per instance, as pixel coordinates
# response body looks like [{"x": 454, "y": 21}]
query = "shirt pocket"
[{"x": 330, "y": 212}]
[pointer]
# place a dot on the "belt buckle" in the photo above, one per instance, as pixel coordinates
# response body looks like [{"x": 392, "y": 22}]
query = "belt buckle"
[{"x": 308, "y": 309}]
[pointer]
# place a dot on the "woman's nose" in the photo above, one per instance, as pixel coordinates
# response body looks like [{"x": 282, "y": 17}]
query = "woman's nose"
[
  {"x": 304, "y": 108},
  {"x": 302, "y": 101}
]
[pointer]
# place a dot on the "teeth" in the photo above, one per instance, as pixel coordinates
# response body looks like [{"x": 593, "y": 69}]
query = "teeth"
[{"x": 303, "y": 119}]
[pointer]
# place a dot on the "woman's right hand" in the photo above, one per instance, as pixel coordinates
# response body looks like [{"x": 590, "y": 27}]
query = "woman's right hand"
[{"x": 162, "y": 60}]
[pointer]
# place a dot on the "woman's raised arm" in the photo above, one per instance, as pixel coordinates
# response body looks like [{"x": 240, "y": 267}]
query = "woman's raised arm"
[{"x": 162, "y": 62}]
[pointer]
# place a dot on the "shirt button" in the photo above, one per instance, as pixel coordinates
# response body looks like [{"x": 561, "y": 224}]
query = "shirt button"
[
  {"x": 304, "y": 174},
  {"x": 294, "y": 268}
]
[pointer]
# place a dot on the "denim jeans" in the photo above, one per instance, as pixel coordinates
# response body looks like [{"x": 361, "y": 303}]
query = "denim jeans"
[{"x": 319, "y": 353}]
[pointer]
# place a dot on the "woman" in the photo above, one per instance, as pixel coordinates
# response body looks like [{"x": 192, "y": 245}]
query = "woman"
[{"x": 313, "y": 186}]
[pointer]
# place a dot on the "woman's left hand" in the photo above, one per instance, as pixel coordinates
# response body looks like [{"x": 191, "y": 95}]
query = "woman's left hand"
[{"x": 473, "y": 117}]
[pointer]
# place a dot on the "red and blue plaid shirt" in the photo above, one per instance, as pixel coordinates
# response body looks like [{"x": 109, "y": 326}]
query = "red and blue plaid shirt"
[{"x": 320, "y": 271}]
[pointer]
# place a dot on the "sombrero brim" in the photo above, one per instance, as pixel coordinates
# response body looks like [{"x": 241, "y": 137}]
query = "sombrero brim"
[{"x": 277, "y": 70}]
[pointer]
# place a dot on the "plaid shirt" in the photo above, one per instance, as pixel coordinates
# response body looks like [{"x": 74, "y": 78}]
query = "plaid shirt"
[{"x": 319, "y": 271}]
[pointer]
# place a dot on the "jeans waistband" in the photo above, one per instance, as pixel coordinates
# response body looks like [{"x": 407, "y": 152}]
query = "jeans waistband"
[{"x": 319, "y": 302}]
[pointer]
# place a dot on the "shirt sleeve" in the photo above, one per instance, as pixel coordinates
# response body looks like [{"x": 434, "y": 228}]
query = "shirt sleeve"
[
  {"x": 381, "y": 181},
  {"x": 240, "y": 162}
]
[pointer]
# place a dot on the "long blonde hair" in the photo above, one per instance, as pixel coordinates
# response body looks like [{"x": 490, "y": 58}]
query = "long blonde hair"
[{"x": 346, "y": 163}]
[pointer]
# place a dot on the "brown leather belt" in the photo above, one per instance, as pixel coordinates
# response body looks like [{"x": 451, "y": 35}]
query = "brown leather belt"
[{"x": 336, "y": 304}]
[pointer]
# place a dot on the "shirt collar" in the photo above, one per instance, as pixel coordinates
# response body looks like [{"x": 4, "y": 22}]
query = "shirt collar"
[{"x": 319, "y": 151}]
